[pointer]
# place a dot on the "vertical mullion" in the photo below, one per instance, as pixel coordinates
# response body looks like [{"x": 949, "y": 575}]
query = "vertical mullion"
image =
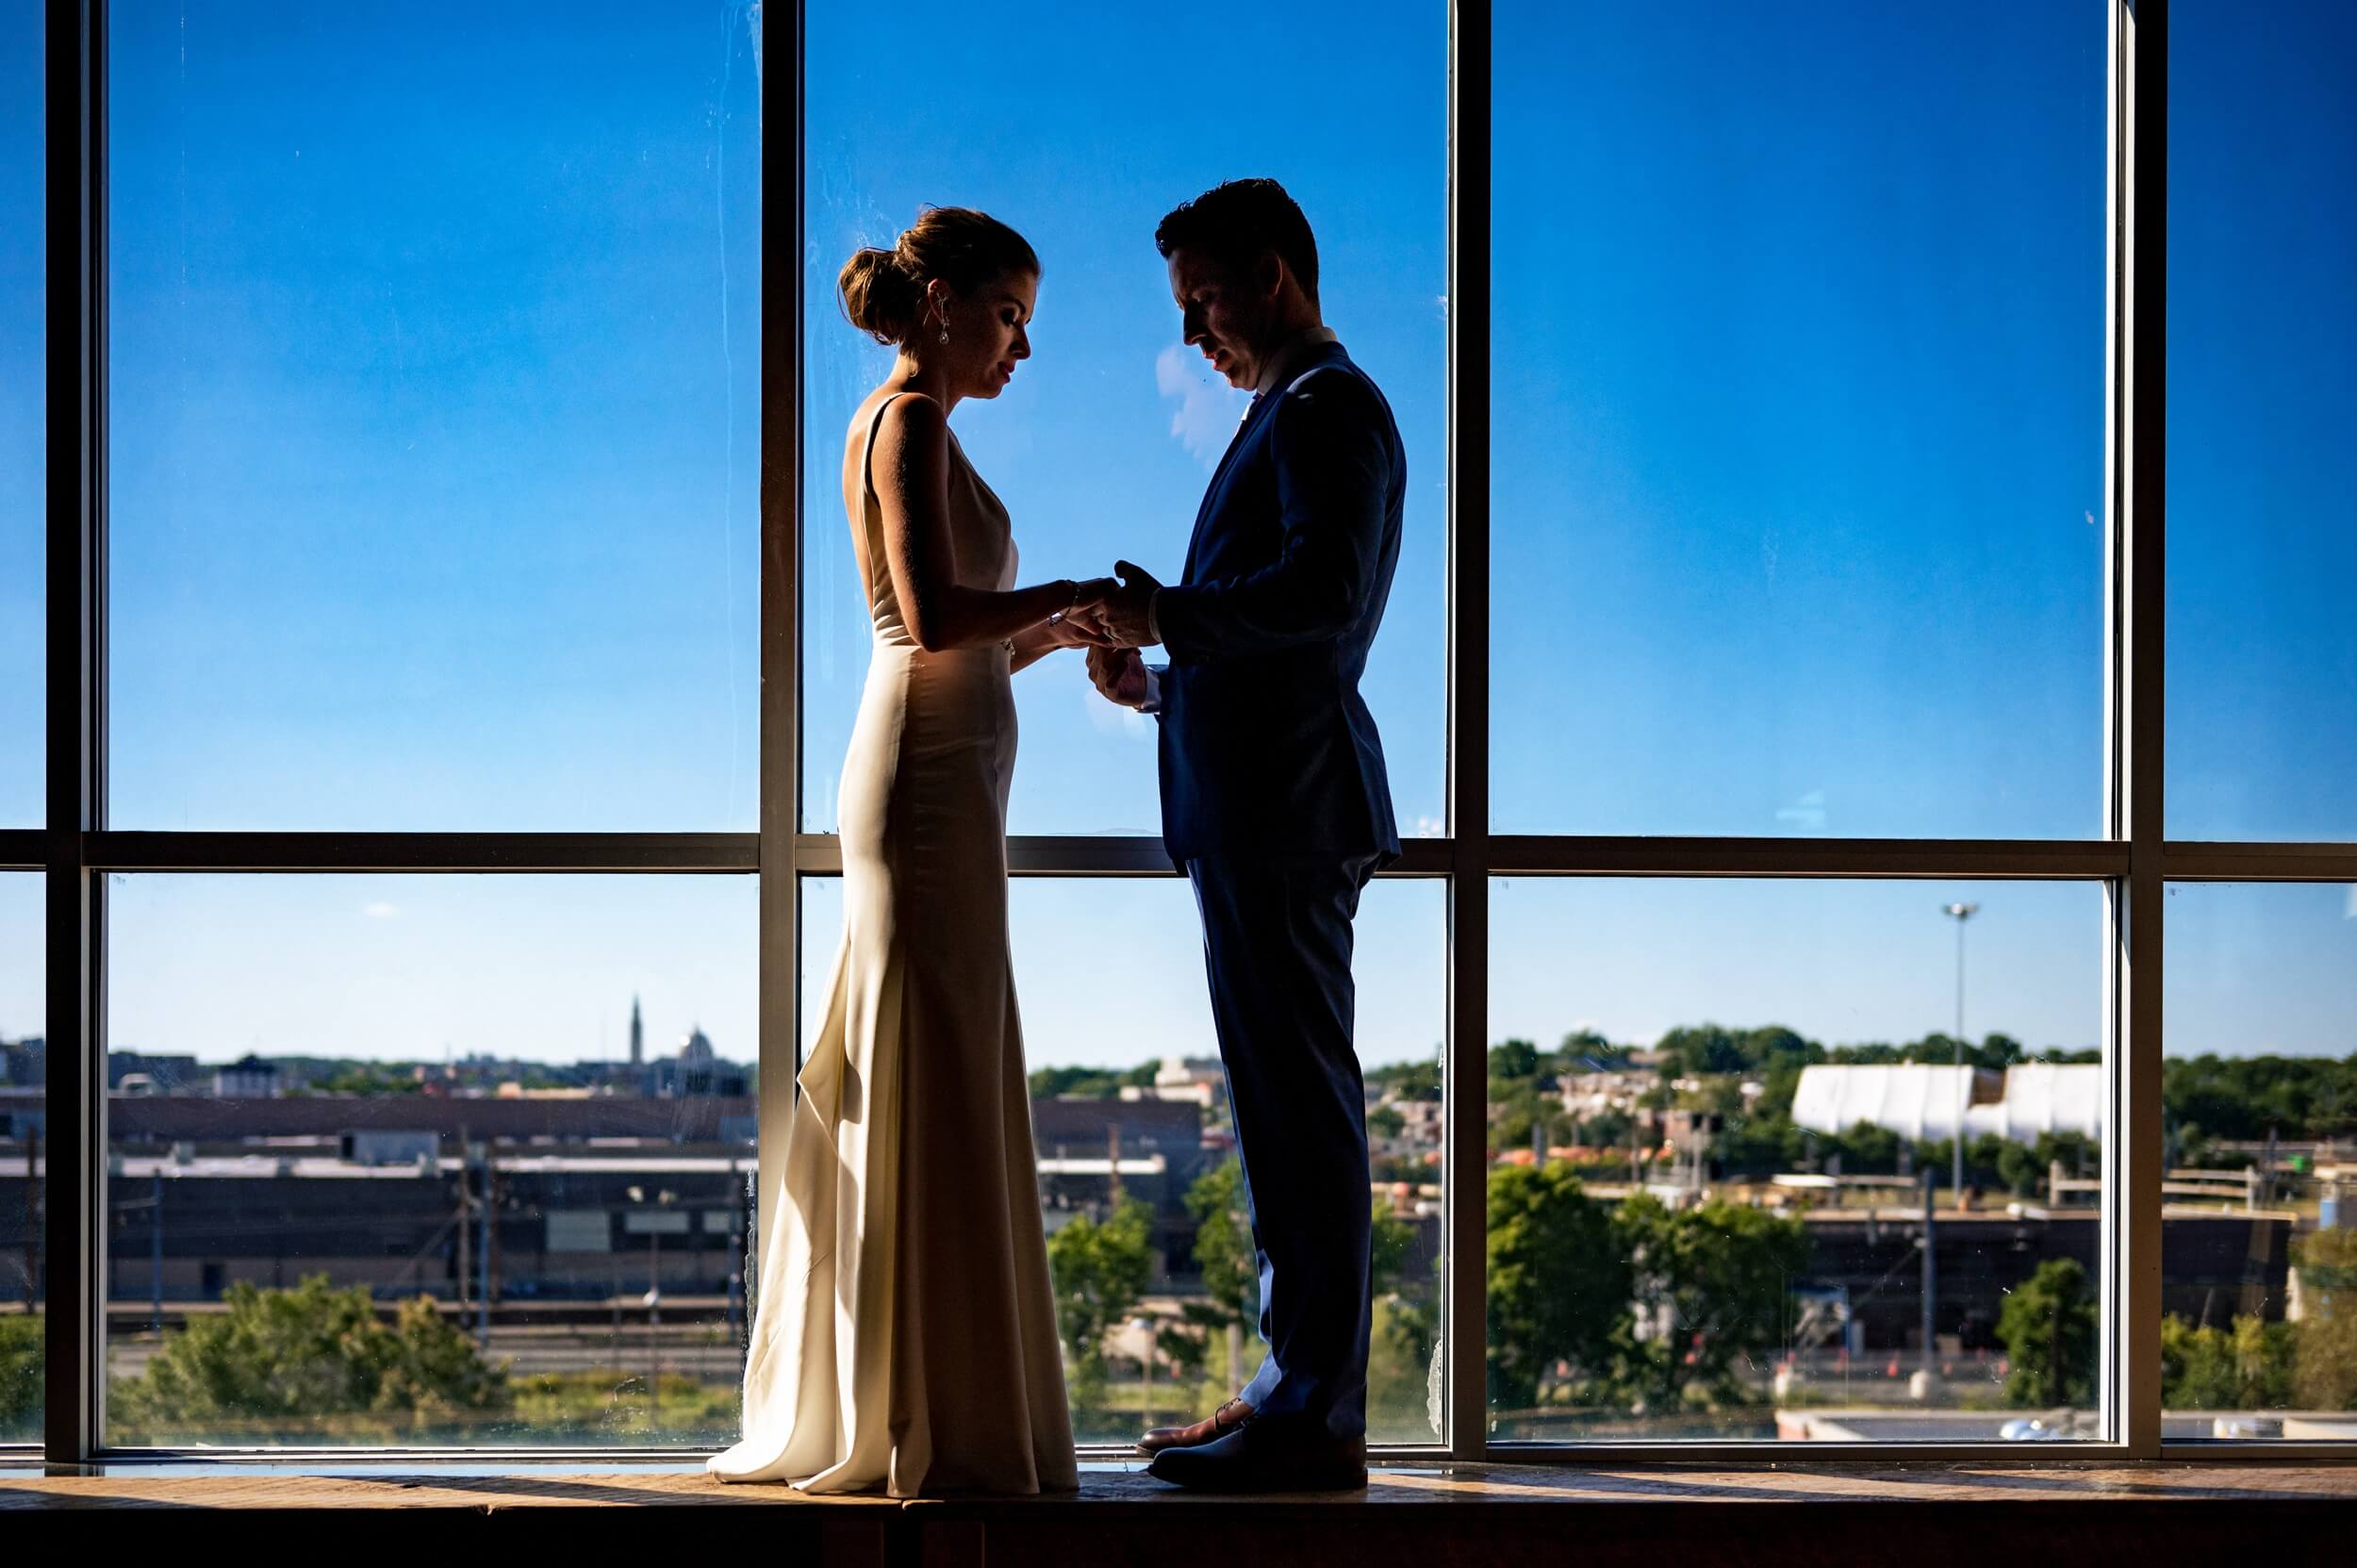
[
  {"x": 1466, "y": 1092},
  {"x": 73, "y": 50},
  {"x": 2142, "y": 175},
  {"x": 781, "y": 601}
]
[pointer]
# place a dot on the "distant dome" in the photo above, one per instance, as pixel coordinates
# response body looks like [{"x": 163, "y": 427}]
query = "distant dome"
[{"x": 697, "y": 1047}]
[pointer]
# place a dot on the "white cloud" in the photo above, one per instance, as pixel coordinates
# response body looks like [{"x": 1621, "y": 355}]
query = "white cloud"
[
  {"x": 1109, "y": 718},
  {"x": 1209, "y": 408},
  {"x": 379, "y": 912},
  {"x": 1807, "y": 813}
]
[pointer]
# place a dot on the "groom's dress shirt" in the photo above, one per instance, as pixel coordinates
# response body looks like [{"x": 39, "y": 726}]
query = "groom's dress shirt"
[{"x": 1272, "y": 374}]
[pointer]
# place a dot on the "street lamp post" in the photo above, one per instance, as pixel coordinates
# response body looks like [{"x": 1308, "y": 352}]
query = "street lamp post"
[{"x": 1961, "y": 913}]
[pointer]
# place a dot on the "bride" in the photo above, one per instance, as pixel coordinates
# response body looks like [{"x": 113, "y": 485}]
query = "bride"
[{"x": 906, "y": 1339}]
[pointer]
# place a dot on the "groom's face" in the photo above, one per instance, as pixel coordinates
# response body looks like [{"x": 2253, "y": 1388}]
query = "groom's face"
[{"x": 1223, "y": 317}]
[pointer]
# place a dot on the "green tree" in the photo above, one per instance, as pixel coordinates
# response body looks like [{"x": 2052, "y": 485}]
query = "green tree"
[
  {"x": 1864, "y": 1151},
  {"x": 1100, "y": 1269},
  {"x": 2247, "y": 1367},
  {"x": 1716, "y": 1277},
  {"x": 1583, "y": 1050},
  {"x": 2048, "y": 1327},
  {"x": 1419, "y": 1081},
  {"x": 1224, "y": 1254},
  {"x": 1075, "y": 1083},
  {"x": 1558, "y": 1280},
  {"x": 1390, "y": 1240},
  {"x": 1406, "y": 1323},
  {"x": 1513, "y": 1059},
  {"x": 311, "y": 1359},
  {"x": 20, "y": 1376},
  {"x": 2325, "y": 1354}
]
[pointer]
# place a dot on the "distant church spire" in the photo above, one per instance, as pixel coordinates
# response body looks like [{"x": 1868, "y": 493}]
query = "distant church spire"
[{"x": 638, "y": 1036}]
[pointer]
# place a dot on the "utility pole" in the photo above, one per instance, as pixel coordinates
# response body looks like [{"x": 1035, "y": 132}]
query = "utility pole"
[
  {"x": 482, "y": 1255},
  {"x": 1961, "y": 913},
  {"x": 654, "y": 1330},
  {"x": 464, "y": 1228},
  {"x": 156, "y": 1250},
  {"x": 1931, "y": 1289},
  {"x": 32, "y": 1216}
]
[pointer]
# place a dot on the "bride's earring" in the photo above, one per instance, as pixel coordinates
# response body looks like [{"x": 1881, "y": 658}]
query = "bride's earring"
[{"x": 944, "y": 320}]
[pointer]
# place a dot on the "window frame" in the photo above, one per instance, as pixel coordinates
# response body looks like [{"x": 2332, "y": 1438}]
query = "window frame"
[{"x": 2134, "y": 861}]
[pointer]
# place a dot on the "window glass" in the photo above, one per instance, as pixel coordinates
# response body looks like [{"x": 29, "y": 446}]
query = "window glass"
[
  {"x": 24, "y": 428},
  {"x": 1101, "y": 446},
  {"x": 2259, "y": 1203},
  {"x": 434, "y": 435},
  {"x": 23, "y": 1095},
  {"x": 2262, "y": 733},
  {"x": 428, "y": 1160},
  {"x": 1796, "y": 440},
  {"x": 1124, "y": 1067},
  {"x": 1723, "y": 1119}
]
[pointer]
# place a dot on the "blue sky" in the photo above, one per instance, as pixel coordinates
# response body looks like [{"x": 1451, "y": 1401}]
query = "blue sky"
[{"x": 435, "y": 446}]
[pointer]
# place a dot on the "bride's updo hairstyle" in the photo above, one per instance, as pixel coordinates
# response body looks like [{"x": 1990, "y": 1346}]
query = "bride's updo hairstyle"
[{"x": 883, "y": 291}]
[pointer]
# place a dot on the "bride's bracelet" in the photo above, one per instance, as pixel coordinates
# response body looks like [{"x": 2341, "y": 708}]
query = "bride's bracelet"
[{"x": 1057, "y": 617}]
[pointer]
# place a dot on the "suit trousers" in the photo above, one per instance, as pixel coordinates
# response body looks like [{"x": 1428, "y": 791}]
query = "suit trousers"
[{"x": 1276, "y": 946}]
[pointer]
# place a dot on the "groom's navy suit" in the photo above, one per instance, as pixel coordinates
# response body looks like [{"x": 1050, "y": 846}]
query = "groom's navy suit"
[{"x": 1275, "y": 802}]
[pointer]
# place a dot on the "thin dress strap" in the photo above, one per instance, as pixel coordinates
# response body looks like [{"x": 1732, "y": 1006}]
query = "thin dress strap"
[{"x": 879, "y": 583}]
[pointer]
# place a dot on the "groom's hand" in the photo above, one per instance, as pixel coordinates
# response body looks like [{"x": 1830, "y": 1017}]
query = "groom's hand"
[
  {"x": 1126, "y": 614},
  {"x": 1119, "y": 675}
]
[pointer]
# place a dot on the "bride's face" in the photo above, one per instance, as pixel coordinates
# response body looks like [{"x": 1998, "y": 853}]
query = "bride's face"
[{"x": 989, "y": 333}]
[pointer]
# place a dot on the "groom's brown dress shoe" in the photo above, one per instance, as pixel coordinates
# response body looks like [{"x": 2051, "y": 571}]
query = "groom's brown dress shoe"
[
  {"x": 1219, "y": 1424},
  {"x": 1267, "y": 1454}
]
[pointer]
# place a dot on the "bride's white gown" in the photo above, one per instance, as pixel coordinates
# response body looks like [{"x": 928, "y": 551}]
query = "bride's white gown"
[{"x": 906, "y": 1338}]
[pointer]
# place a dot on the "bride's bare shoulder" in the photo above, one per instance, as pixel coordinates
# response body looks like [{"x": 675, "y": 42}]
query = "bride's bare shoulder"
[{"x": 912, "y": 430}]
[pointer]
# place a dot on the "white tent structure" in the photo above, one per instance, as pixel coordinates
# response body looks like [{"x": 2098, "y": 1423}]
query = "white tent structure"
[{"x": 1922, "y": 1101}]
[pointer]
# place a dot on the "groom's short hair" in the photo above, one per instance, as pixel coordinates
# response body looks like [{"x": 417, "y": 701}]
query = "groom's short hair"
[{"x": 1236, "y": 220}]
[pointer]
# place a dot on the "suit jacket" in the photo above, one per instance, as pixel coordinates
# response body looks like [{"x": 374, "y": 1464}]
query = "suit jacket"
[{"x": 1266, "y": 743}]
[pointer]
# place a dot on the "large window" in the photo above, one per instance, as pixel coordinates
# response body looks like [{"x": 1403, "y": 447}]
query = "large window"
[
  {"x": 2263, "y": 497},
  {"x": 24, "y": 429},
  {"x": 432, "y": 426},
  {"x": 428, "y": 1160},
  {"x": 24, "y": 1103},
  {"x": 433, "y": 415},
  {"x": 2259, "y": 1272},
  {"x": 1103, "y": 443},
  {"x": 1724, "y": 1196},
  {"x": 1136, "y": 1142},
  {"x": 1797, "y": 419},
  {"x": 1792, "y": 1014}
]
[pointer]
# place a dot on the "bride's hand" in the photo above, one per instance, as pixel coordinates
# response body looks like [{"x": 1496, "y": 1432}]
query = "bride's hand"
[
  {"x": 1078, "y": 627},
  {"x": 1093, "y": 592}
]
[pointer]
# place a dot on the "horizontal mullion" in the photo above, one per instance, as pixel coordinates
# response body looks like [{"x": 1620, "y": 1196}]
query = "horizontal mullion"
[
  {"x": 2194, "y": 860},
  {"x": 23, "y": 849},
  {"x": 820, "y": 854},
  {"x": 1677, "y": 1451},
  {"x": 502, "y": 852},
  {"x": 1926, "y": 859},
  {"x": 2010, "y": 859}
]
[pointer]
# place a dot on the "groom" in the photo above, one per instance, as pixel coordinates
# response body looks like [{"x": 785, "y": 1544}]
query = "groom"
[{"x": 1275, "y": 804}]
